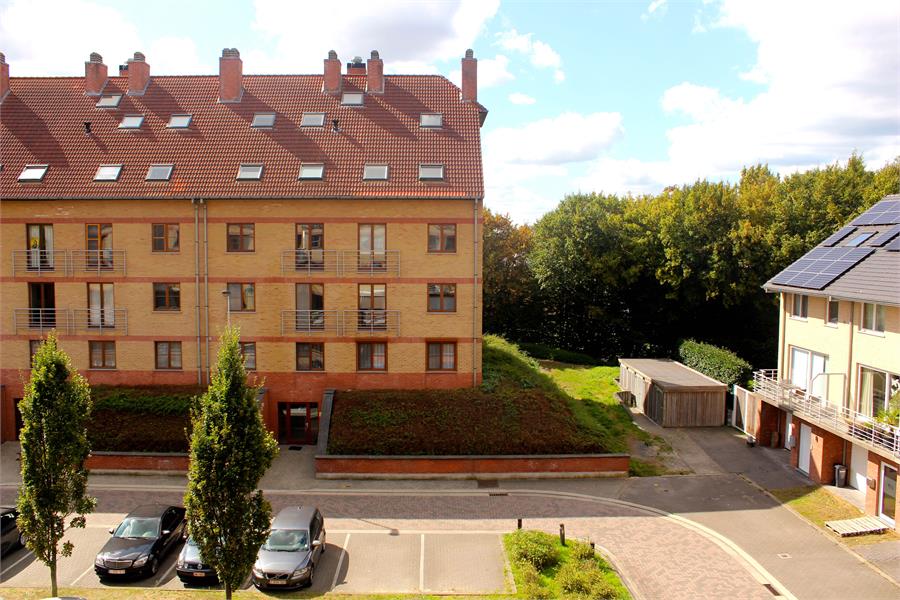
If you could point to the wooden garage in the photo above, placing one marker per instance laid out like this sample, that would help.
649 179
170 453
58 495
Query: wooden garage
672 394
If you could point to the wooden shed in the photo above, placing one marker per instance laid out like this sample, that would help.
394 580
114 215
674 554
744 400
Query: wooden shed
671 394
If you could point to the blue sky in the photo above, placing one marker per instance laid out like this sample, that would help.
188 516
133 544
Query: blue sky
583 96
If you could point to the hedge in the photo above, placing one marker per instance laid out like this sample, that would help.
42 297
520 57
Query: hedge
719 363
141 419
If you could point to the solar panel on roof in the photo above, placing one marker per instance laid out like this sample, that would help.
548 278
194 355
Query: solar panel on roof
894 246
838 235
820 266
885 236
886 212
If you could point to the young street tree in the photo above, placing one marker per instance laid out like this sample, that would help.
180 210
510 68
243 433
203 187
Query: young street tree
230 451
54 442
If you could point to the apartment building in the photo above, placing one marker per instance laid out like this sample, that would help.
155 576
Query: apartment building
839 360
334 217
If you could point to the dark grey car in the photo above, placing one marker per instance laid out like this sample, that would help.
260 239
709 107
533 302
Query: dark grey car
12 538
289 556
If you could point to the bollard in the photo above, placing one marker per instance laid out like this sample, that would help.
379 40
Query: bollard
518 523
562 534
592 546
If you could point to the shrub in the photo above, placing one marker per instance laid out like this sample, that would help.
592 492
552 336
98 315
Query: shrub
534 547
531 583
719 363
581 551
545 352
584 578
144 400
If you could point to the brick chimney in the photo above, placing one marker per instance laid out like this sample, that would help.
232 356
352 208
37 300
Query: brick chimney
375 79
138 75
94 75
332 83
469 77
231 70
4 77
356 66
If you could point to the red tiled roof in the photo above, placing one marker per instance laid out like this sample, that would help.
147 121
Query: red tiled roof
41 122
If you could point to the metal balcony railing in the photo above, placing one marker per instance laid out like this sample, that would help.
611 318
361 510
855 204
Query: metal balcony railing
98 262
840 419
379 262
310 262
310 322
100 321
41 262
41 320
371 322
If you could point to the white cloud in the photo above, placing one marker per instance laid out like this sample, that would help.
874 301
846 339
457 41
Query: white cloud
656 8
541 54
520 98
491 72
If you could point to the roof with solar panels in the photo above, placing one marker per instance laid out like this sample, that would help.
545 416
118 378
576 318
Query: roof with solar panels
859 262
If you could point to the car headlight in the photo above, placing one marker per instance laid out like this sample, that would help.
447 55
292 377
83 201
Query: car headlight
258 572
301 572
100 561
141 561
179 564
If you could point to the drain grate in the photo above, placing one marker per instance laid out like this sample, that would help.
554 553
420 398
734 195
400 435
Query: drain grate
772 589
784 555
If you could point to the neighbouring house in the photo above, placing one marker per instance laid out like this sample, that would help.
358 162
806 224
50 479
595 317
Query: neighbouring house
334 217
838 361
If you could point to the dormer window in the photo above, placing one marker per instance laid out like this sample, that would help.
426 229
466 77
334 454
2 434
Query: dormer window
352 99
431 172
34 173
263 120
108 173
312 120
312 171
375 172
431 120
179 121
248 172
159 172
109 101
131 122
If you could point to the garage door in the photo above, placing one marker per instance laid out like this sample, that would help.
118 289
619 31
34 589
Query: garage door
805 447
858 464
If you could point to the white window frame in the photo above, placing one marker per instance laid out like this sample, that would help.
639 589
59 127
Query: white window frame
424 168
248 176
803 313
317 118
257 122
370 176
105 173
809 378
33 173
423 118
109 101
889 377
352 98
311 171
877 314
131 122
168 176
172 125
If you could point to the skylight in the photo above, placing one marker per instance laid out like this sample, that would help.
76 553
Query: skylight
108 173
159 172
263 120
352 98
247 172
431 172
375 172
33 173
431 120
109 101
312 171
131 122
859 239
179 121
312 120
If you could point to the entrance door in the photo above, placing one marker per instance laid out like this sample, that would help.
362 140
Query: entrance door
859 462
805 446
298 423
887 497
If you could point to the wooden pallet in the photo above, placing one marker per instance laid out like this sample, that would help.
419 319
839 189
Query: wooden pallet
860 526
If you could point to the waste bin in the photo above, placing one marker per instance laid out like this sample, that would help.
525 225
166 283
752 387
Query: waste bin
840 475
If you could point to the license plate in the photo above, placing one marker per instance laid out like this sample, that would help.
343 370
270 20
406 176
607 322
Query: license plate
277 582
198 574
117 571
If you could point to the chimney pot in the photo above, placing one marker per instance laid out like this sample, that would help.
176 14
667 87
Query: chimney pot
375 54
95 75
332 81
231 74
96 58
138 72
332 54
139 57
356 66
4 77
375 74
123 70
470 77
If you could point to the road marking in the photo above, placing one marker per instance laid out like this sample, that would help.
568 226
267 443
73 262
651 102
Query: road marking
12 566
422 564
159 580
337 570
77 579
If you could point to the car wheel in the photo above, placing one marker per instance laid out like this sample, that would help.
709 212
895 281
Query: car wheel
312 575
154 566
21 540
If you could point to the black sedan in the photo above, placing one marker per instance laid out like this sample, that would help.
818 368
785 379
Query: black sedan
12 538
141 541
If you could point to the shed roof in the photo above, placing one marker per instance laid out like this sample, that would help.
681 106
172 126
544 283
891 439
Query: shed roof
672 375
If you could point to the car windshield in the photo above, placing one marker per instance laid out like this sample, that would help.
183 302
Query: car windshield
287 540
138 527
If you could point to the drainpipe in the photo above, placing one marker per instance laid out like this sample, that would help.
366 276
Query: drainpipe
475 236
197 286
781 325
847 399
206 281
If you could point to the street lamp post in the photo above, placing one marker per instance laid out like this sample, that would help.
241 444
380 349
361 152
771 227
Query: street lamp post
227 295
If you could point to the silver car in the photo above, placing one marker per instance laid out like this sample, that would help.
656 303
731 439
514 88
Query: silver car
289 556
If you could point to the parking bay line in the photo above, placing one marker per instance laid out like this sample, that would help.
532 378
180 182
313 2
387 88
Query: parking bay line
337 570
77 579
159 580
12 566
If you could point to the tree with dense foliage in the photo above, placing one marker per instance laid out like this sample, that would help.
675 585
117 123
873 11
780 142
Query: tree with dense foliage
231 449
54 445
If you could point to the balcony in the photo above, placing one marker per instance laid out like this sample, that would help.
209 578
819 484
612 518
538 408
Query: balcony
97 321
98 262
40 262
841 420
380 262
371 322
41 320
310 322
310 262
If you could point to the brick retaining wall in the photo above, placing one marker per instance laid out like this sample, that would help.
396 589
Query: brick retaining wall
130 461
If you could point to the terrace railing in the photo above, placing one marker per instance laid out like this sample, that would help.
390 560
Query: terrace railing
310 322
310 262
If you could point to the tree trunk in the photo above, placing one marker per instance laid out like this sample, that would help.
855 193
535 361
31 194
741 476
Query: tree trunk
227 591
53 589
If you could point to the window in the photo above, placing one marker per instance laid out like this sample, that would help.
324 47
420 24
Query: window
441 297
873 317
372 305
442 238
166 296
241 297
248 351
375 172
240 237
441 356
39 237
807 371
98 243
108 173
165 237
371 356
875 390
312 120
372 244
109 101
248 172
833 312
800 306
131 122
263 120
33 346
352 98
159 172
168 355
312 171
859 239
310 357
101 305
33 173
309 245
310 304
430 120
431 172
180 121
102 355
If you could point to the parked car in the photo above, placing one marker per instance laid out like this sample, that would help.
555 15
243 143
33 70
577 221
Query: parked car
190 567
141 541
288 557
10 536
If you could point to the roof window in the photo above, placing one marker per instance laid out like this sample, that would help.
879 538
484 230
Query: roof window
159 172
250 172
108 173
33 173
312 120
431 120
312 171
180 121
859 239
431 172
109 101
263 120
375 172
131 122
352 98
